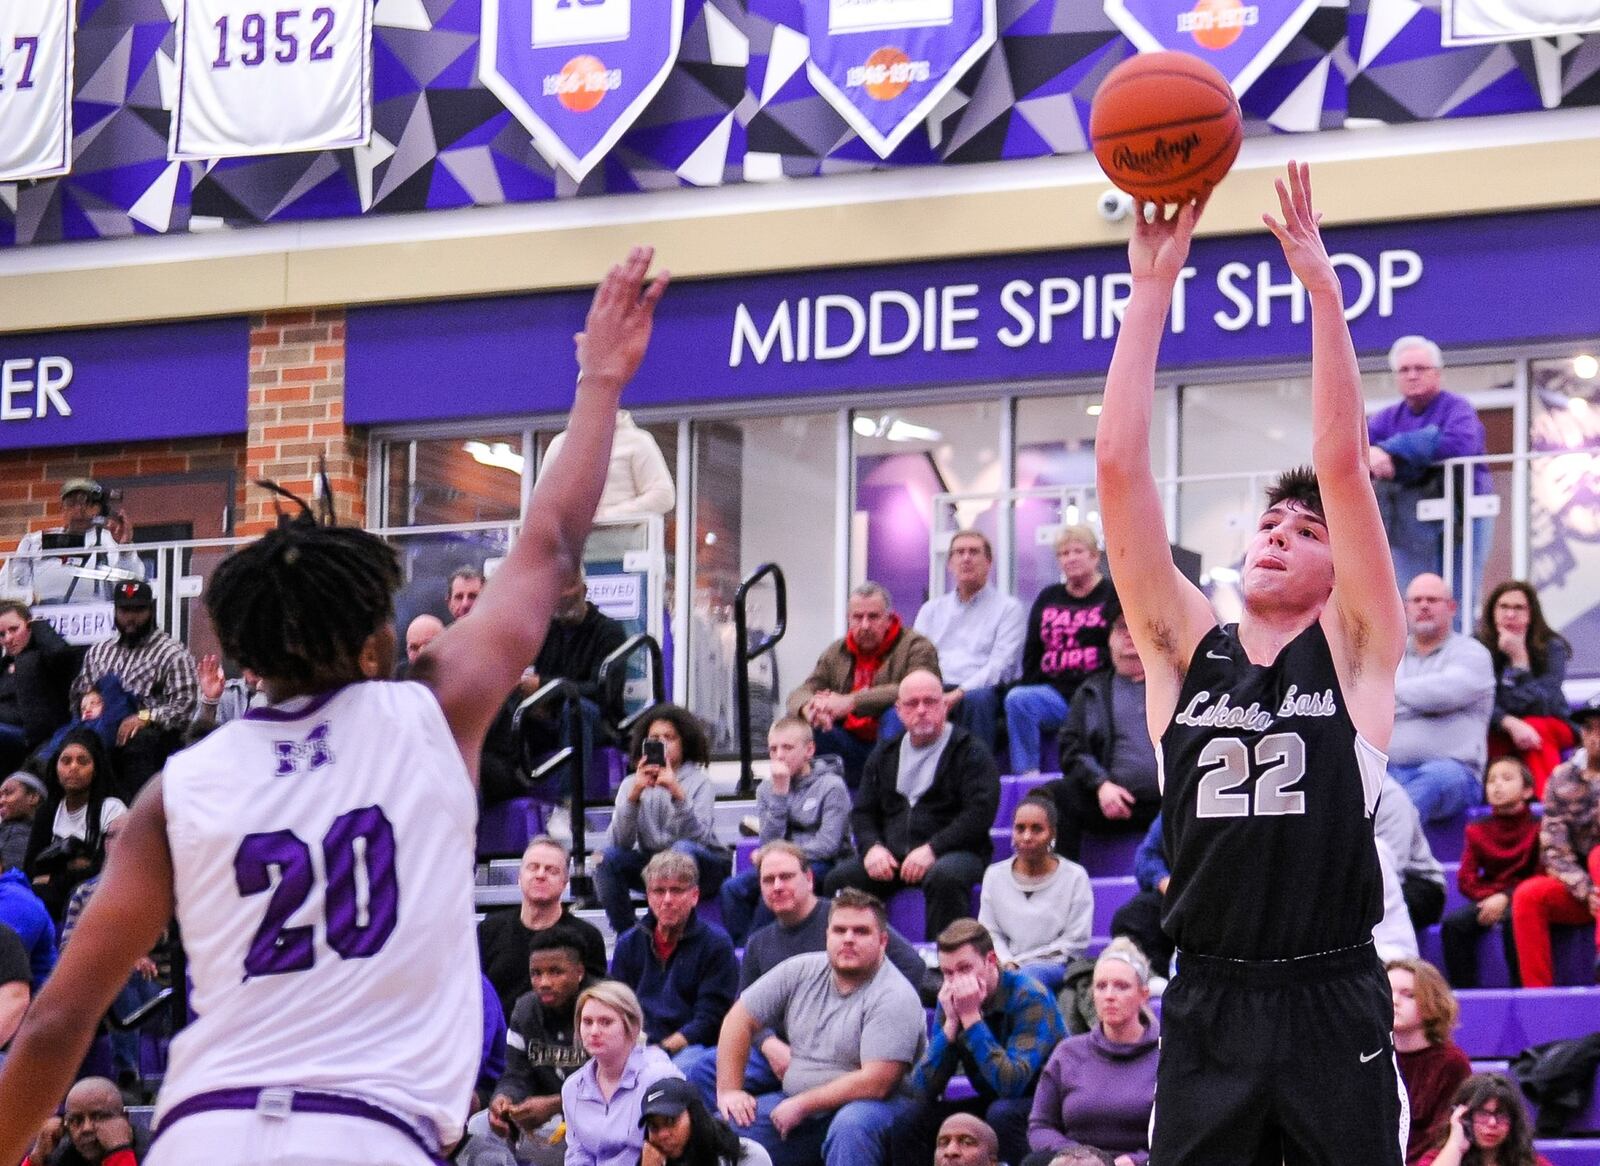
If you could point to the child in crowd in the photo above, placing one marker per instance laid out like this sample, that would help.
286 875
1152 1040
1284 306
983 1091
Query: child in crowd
1488 1127
1431 1064
20 797
1500 851
102 710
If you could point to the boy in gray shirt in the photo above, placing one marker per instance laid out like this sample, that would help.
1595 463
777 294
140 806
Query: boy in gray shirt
855 1027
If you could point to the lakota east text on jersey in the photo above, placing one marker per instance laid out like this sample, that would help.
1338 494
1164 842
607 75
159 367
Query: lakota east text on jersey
1267 806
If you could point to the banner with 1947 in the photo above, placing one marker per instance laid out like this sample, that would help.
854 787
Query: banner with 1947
35 88
885 64
578 73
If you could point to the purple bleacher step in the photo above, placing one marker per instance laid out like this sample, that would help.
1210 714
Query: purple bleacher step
1501 1022
504 829
1570 1151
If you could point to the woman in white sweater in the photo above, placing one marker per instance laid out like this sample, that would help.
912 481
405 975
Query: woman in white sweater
1038 906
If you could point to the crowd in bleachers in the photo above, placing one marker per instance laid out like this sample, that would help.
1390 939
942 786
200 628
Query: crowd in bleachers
980 783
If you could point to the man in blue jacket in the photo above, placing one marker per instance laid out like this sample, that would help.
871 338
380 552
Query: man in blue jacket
23 912
682 968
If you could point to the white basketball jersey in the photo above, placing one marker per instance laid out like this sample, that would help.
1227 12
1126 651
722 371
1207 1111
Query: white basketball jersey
35 88
323 869
257 78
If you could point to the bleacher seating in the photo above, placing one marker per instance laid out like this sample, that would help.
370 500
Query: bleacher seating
1497 1021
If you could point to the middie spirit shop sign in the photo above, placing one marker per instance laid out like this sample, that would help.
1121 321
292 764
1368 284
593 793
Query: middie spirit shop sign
1475 281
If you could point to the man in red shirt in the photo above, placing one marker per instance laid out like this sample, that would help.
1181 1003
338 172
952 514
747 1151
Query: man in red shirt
97 1129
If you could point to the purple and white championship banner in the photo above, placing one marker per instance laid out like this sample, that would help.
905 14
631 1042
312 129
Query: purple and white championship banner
1475 22
272 77
35 88
578 73
885 64
1240 38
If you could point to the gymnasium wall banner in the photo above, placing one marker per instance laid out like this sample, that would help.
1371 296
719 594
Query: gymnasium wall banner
124 384
578 73
272 77
36 41
1241 38
982 320
885 64
1475 22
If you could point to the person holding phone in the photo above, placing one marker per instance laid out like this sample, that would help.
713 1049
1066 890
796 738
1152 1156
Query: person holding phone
668 803
1488 1126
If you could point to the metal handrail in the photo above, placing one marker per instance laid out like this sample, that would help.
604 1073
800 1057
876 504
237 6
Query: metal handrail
564 695
748 652
613 675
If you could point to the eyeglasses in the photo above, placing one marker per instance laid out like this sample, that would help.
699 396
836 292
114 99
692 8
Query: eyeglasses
1492 1116
1410 368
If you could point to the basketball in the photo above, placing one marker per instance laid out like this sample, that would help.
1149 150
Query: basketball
1165 127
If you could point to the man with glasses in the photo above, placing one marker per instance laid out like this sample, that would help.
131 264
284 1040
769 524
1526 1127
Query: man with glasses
1443 695
923 811
1408 440
87 522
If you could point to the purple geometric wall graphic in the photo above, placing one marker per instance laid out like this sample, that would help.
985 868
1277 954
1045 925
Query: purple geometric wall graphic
736 107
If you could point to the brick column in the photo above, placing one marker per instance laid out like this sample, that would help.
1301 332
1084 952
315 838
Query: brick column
297 414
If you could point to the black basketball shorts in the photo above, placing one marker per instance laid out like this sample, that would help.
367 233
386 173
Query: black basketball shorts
1283 1063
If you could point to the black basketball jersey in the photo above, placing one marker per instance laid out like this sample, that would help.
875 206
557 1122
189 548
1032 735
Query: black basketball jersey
1267 807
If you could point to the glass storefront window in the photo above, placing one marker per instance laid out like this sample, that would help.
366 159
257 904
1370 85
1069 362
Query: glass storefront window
765 490
447 480
903 457
1564 499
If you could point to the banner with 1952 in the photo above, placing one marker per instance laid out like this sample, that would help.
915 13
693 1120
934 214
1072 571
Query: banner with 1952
272 77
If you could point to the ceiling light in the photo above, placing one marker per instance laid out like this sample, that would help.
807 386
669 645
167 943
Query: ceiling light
1585 366
864 426
1094 410
900 430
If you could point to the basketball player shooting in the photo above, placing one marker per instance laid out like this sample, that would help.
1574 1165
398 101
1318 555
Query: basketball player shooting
318 853
1276 1040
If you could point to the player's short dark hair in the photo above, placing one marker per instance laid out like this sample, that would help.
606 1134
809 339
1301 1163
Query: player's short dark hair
696 747
466 571
1298 487
1521 766
296 605
851 899
556 938
965 933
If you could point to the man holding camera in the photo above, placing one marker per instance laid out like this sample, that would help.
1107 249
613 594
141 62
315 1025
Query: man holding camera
91 535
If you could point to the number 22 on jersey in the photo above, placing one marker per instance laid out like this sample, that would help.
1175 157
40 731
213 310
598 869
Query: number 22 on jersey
361 895
1278 765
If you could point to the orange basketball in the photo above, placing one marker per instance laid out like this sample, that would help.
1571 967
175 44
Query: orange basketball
1165 127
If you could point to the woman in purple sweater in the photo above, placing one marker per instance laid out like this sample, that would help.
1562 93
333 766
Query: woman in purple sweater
1097 1089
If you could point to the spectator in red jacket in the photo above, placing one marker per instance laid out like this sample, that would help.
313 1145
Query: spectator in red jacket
1431 1064
1565 891
1501 850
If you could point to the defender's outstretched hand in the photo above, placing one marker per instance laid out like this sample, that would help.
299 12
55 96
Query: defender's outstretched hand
1160 244
617 332
1299 234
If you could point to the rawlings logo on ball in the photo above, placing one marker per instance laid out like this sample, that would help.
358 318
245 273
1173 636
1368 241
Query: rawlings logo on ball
1159 158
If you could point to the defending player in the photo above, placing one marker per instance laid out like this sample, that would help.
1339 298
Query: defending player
1276 1031
318 854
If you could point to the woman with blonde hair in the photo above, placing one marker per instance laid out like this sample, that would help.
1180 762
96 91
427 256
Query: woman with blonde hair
602 1101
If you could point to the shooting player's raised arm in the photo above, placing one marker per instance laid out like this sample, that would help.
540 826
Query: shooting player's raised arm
1167 615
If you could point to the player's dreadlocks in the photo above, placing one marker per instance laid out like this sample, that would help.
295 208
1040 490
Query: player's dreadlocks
296 605
1298 486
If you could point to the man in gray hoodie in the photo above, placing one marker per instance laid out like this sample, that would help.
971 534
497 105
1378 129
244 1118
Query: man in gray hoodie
805 801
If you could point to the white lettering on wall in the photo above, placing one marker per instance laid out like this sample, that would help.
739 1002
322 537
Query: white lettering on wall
31 387
891 321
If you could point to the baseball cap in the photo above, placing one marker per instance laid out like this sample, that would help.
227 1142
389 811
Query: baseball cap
132 593
80 486
1589 708
668 1097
